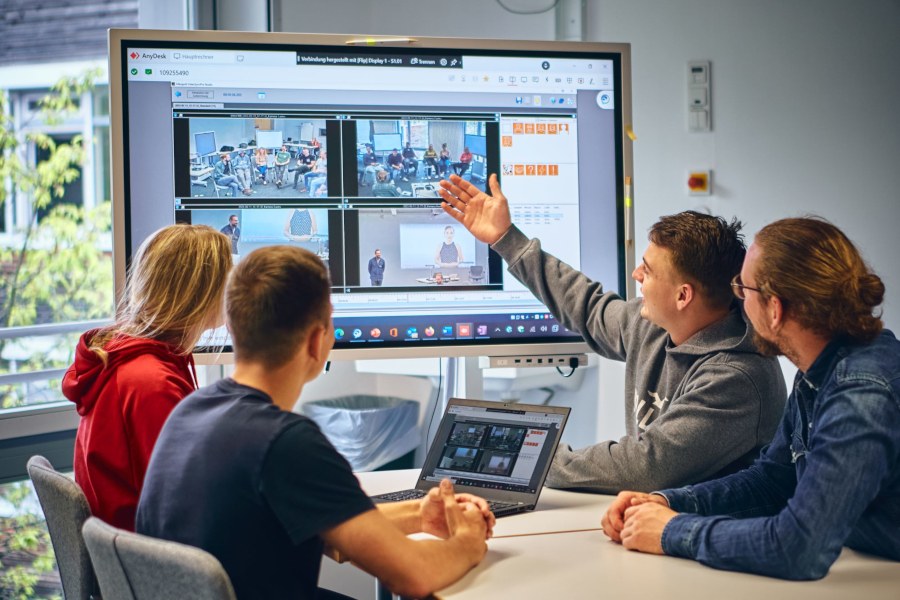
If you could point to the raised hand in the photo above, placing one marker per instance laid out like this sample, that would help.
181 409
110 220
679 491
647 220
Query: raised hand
486 217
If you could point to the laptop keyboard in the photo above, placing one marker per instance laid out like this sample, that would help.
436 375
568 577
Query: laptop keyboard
401 495
498 508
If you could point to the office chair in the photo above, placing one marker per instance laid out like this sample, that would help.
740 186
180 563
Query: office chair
218 187
66 509
476 273
131 566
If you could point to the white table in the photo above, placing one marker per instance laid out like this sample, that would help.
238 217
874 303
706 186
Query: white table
589 565
558 551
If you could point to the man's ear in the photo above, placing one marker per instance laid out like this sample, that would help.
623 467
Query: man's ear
775 312
685 296
314 345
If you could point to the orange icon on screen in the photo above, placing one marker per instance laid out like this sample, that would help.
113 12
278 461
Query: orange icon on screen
518 128
520 169
529 127
542 169
551 128
506 140
529 169
542 128
554 169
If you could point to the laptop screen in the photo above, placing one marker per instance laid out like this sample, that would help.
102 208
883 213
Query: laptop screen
493 445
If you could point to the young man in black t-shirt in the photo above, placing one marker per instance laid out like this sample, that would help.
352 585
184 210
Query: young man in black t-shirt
236 473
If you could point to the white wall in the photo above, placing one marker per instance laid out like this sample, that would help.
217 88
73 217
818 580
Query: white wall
804 111
459 18
805 94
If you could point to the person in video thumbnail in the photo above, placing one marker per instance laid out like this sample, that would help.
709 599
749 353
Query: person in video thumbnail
233 231
300 225
410 163
282 158
304 165
384 188
395 164
262 166
371 166
376 268
465 159
448 253
444 160
316 147
243 169
317 177
431 159
225 176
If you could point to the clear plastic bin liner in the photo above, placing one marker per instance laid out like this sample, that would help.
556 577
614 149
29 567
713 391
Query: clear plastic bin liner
369 431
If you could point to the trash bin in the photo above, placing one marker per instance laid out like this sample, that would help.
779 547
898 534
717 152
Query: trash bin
370 431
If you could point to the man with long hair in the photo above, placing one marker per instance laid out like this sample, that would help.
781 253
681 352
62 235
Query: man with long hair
831 476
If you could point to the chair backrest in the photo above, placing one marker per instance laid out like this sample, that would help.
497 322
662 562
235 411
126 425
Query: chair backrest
66 509
131 566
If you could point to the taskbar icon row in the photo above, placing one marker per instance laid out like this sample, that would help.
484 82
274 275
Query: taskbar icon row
454 330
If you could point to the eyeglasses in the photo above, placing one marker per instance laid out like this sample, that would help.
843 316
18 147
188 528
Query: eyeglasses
738 288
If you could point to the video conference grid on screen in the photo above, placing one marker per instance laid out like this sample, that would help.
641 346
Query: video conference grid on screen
504 448
357 184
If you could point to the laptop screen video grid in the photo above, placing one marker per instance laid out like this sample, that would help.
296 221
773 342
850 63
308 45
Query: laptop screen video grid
493 447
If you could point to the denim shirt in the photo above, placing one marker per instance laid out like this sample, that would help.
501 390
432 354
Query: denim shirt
831 476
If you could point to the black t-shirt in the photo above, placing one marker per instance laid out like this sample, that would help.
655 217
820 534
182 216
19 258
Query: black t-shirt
251 484
394 159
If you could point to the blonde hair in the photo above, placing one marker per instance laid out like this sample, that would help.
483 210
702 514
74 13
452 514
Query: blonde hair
174 289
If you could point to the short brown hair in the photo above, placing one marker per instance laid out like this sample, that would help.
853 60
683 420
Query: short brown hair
274 296
820 277
708 250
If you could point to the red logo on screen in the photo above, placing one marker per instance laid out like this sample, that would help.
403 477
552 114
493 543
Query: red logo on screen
134 55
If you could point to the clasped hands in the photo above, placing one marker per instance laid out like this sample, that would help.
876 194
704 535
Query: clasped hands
636 520
442 512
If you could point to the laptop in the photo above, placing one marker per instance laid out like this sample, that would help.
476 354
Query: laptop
497 450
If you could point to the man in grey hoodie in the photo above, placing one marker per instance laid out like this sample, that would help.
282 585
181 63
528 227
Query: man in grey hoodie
700 401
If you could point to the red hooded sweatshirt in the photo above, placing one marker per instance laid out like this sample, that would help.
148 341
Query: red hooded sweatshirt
123 407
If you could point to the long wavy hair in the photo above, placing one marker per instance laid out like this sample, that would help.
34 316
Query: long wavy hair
174 288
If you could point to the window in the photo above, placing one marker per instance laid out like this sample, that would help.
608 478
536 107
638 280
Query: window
55 239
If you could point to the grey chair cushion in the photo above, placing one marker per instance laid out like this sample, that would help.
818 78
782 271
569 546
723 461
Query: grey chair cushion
136 567
66 509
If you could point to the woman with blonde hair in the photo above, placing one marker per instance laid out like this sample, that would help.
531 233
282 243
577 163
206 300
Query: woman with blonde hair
127 378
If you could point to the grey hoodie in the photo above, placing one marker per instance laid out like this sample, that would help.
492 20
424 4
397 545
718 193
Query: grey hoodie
694 411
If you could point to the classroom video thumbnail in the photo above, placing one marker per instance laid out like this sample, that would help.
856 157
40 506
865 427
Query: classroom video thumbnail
407 158
418 247
250 229
265 158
